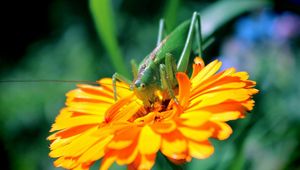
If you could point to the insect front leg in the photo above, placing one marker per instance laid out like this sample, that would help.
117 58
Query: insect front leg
185 54
171 69
121 78
167 74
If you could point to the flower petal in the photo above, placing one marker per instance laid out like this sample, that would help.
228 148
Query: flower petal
184 88
149 141
224 111
77 121
126 113
108 160
127 155
123 89
173 145
218 97
143 162
222 130
124 138
147 161
206 72
196 134
197 66
90 93
77 146
95 152
194 118
66 162
164 127
200 150
119 111
88 108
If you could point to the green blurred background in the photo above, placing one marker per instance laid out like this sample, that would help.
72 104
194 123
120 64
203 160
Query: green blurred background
57 39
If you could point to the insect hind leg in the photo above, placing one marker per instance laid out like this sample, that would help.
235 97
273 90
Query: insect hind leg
161 30
185 54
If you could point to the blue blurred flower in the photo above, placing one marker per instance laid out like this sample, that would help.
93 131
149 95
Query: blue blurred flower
268 25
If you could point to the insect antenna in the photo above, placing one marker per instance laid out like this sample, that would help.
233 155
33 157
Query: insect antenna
59 81
47 81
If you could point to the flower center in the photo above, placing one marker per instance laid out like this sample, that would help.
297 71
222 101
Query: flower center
153 113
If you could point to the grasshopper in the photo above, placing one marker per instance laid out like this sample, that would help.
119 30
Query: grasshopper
157 72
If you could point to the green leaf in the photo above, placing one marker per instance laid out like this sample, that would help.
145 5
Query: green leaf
101 11
170 15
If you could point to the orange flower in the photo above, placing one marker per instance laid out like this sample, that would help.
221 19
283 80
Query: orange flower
93 126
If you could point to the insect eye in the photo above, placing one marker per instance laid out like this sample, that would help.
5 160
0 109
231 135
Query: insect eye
131 86
143 85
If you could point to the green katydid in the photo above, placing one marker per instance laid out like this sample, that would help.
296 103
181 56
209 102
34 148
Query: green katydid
158 70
